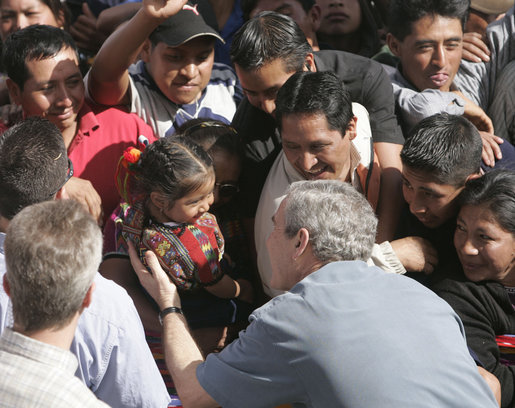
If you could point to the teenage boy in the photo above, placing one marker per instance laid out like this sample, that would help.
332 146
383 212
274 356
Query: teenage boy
441 153
45 80
176 78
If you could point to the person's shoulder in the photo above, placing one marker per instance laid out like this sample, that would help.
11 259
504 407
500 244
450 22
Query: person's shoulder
111 304
335 60
222 73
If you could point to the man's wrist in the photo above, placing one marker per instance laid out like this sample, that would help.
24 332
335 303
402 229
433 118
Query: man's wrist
168 310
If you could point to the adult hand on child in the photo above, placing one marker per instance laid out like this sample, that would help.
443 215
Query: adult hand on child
83 191
474 48
157 283
416 254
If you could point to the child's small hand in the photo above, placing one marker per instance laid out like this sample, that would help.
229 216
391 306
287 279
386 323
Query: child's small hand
246 291
157 283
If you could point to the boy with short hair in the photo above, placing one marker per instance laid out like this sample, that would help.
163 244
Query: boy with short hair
176 78
441 153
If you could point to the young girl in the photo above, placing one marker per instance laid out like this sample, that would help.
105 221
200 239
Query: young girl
170 189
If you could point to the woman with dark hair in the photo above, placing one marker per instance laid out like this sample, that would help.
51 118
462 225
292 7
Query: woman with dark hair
485 243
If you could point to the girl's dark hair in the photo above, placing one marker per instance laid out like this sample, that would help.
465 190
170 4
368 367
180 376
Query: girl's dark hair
212 136
174 167
495 191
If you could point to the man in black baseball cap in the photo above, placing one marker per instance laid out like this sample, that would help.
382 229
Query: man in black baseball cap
176 78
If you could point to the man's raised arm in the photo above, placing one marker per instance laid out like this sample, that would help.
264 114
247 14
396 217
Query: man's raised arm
108 79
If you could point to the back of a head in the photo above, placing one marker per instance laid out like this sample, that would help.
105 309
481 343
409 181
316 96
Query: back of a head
343 227
445 147
212 135
35 42
267 37
52 252
403 13
315 93
33 165
495 191
173 166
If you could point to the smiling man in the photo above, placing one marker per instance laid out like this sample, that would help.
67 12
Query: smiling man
45 80
176 79
324 137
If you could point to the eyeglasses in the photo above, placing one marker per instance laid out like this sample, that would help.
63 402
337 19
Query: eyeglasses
227 190
69 175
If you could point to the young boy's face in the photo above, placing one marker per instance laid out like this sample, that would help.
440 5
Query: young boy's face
182 72
431 202
54 89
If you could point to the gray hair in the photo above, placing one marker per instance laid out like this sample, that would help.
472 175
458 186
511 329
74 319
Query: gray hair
52 253
340 221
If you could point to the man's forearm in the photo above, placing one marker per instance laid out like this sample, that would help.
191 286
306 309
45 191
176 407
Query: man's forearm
182 358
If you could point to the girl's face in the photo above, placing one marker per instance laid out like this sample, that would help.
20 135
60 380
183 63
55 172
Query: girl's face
486 250
18 14
227 171
192 206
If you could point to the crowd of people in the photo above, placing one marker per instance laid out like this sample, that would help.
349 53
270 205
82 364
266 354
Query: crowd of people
257 203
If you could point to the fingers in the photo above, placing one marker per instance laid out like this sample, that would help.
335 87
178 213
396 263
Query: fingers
491 149
474 48
87 11
155 267
138 267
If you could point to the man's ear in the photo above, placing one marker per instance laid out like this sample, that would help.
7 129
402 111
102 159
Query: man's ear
473 176
14 91
89 296
5 283
146 50
352 130
302 242
158 200
393 44
309 63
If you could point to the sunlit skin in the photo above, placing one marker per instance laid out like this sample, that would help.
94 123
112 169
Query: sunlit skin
430 56
431 202
316 151
18 14
485 249
54 90
183 72
281 249
192 206
339 16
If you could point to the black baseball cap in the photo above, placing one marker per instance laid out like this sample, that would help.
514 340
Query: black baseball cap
182 27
